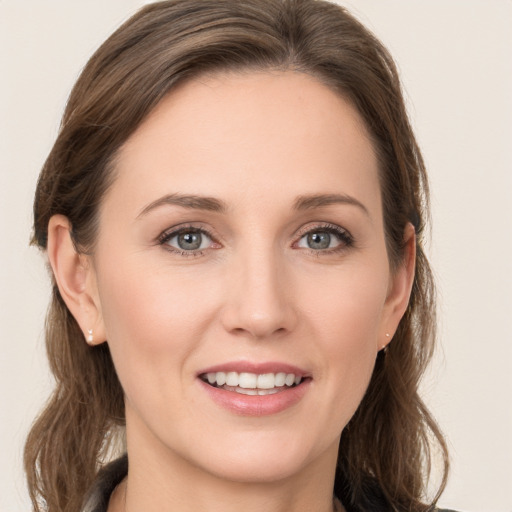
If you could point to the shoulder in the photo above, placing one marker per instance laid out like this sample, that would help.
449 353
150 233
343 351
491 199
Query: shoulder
109 477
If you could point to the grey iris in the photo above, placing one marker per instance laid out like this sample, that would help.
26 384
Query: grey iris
320 240
189 241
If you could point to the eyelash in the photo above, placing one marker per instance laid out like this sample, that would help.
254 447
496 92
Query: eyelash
345 238
164 238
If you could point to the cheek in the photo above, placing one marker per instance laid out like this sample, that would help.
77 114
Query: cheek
156 302
153 320
347 304
345 316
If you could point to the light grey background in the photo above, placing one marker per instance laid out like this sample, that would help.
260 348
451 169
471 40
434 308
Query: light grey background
456 64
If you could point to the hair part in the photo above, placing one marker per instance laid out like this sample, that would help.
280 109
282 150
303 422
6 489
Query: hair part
385 450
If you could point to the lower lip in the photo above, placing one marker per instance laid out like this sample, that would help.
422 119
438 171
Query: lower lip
256 405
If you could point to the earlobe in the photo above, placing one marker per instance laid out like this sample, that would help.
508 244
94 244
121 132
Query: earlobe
400 288
75 279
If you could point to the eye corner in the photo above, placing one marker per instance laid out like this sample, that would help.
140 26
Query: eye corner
324 243
188 240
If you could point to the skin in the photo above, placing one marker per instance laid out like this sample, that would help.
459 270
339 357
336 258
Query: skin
256 291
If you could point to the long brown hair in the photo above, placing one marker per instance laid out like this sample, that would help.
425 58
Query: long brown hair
386 450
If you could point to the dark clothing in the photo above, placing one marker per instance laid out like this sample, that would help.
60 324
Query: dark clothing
108 479
110 476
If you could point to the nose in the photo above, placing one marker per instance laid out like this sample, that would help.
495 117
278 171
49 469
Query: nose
259 297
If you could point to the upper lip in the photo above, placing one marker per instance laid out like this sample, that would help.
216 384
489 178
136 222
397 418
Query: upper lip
257 368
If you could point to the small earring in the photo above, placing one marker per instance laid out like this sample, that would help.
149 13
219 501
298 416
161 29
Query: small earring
90 338
384 348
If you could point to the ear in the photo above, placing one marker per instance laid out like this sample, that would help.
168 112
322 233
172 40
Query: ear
399 290
76 280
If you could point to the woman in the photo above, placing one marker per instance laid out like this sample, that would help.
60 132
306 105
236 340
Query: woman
233 213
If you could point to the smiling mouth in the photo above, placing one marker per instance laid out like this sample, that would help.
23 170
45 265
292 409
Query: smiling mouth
252 383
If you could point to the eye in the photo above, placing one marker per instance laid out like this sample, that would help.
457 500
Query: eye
325 238
188 240
318 240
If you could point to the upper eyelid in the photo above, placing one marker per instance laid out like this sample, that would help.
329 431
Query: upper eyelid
164 238
343 235
328 226
176 230
211 233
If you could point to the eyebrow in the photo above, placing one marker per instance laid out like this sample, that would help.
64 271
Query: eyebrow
195 202
319 200
192 202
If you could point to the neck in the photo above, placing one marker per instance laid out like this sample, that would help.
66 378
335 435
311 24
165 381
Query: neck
160 480
232 498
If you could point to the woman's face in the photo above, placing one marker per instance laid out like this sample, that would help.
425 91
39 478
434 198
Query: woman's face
243 241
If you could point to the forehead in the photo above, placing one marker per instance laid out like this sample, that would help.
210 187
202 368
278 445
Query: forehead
267 135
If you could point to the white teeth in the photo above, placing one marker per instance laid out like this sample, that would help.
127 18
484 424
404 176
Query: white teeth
245 382
266 381
243 391
252 392
267 391
232 379
290 379
280 379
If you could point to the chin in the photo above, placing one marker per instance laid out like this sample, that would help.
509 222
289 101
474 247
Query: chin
258 470
264 460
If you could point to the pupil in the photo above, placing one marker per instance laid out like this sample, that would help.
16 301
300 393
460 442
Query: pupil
189 241
319 240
